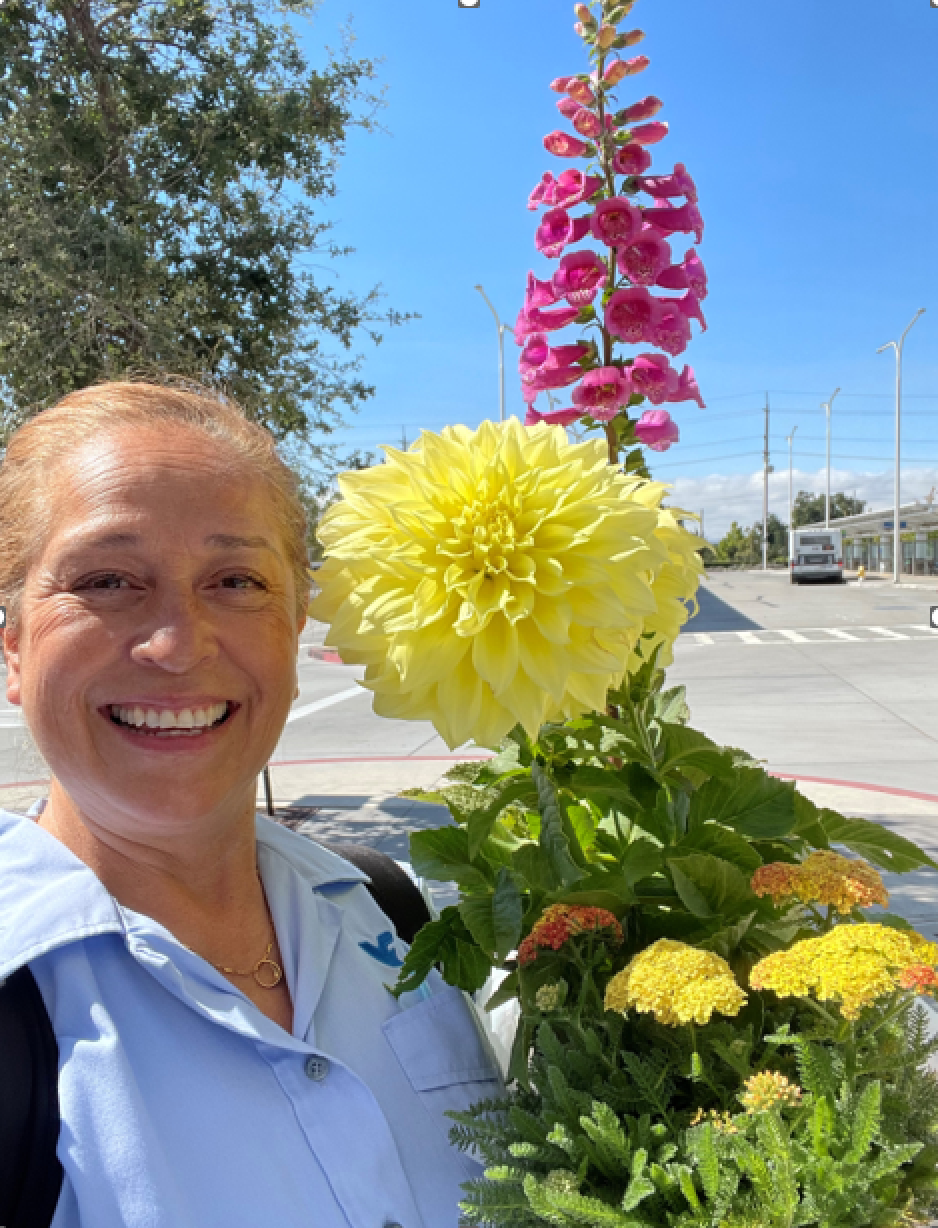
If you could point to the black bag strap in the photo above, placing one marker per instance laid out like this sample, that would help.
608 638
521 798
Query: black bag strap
394 891
30 1172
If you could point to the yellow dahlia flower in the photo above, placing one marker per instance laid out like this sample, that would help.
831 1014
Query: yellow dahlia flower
677 984
500 576
852 964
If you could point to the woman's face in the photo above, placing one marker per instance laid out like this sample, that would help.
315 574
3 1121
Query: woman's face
155 659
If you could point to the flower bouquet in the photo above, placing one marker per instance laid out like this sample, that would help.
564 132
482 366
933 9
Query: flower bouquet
714 1030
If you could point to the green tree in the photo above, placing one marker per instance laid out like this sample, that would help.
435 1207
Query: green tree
744 546
160 164
809 509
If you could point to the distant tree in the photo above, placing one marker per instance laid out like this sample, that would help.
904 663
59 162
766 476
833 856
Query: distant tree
744 546
809 509
160 166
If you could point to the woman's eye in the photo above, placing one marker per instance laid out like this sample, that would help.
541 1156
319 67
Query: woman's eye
243 582
109 581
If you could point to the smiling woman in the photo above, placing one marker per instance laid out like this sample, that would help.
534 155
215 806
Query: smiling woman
209 976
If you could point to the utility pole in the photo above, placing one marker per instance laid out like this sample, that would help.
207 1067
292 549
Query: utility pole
403 438
791 500
765 492
502 329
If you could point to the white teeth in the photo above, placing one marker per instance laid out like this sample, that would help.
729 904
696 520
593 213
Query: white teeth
153 718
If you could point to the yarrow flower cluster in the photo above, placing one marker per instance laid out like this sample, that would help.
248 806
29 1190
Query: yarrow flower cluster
824 877
769 1090
560 923
852 965
677 984
632 218
500 576
723 1122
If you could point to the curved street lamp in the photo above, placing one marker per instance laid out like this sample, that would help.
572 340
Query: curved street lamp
502 329
896 535
828 406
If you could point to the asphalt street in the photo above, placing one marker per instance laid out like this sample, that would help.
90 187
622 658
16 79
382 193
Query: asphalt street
829 681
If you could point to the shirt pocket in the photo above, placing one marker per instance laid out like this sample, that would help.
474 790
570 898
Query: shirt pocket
444 1054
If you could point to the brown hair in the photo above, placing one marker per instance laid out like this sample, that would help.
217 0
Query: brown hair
45 440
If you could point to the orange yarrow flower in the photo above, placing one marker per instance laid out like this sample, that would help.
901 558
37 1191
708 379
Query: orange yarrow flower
561 922
824 878
920 977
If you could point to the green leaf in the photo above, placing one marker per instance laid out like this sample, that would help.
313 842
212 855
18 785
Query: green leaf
879 845
480 822
553 838
448 942
721 842
494 919
671 706
602 781
640 860
534 866
710 886
507 990
751 802
808 826
442 853
683 747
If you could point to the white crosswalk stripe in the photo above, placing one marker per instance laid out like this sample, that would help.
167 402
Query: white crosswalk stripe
785 636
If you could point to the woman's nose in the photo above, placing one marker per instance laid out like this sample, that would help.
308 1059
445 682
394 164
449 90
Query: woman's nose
180 637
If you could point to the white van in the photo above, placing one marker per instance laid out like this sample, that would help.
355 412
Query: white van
816 554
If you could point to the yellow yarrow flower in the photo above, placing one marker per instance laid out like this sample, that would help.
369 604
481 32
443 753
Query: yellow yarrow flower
677 984
852 964
768 1090
825 878
500 576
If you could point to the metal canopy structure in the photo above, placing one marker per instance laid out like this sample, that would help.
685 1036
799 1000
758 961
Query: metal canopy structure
868 538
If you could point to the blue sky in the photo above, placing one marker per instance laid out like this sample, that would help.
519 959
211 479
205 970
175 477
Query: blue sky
810 128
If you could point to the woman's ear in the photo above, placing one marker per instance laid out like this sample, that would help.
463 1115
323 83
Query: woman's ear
12 657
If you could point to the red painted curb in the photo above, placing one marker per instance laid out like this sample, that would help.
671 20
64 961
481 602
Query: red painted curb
325 654
854 784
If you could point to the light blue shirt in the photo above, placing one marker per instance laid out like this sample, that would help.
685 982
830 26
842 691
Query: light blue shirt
183 1106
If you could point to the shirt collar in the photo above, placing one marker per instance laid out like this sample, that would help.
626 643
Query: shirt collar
49 897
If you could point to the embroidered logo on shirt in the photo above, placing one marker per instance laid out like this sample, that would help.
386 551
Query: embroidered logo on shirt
384 951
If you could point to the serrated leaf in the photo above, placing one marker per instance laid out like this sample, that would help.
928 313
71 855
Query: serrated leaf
535 868
602 781
879 845
442 853
683 747
448 942
494 919
553 838
751 802
710 886
720 842
480 822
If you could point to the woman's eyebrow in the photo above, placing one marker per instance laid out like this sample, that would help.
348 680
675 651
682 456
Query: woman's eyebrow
223 541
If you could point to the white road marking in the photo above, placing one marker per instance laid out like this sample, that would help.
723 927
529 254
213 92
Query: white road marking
795 637
844 635
888 633
308 709
703 638
748 637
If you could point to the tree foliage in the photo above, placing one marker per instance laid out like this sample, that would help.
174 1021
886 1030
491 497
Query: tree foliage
160 161
810 509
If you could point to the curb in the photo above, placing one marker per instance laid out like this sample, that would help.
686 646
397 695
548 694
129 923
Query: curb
316 653
854 784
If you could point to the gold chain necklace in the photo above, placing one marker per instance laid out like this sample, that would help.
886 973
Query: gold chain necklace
268 979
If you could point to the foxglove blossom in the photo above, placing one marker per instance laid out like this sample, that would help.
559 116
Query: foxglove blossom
557 230
540 293
679 183
556 417
572 187
687 389
602 392
568 107
631 159
654 377
580 91
657 430
615 221
563 145
670 327
645 258
650 134
689 274
647 108
587 124
543 194
629 314
670 219
580 278
538 356
534 320
690 305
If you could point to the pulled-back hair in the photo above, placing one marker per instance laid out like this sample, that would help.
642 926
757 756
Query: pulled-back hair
42 443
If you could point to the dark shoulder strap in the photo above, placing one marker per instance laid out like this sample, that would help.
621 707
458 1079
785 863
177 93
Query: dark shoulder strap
30 1172
394 891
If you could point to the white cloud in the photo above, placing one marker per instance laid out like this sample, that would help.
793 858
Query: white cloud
724 498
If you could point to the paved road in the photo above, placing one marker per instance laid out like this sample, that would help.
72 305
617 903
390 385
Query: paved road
835 681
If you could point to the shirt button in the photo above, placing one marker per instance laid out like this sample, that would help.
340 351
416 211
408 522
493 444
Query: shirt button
316 1068
392 1224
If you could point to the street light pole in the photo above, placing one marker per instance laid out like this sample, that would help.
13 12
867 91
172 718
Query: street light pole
765 492
829 405
896 533
791 499
501 355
